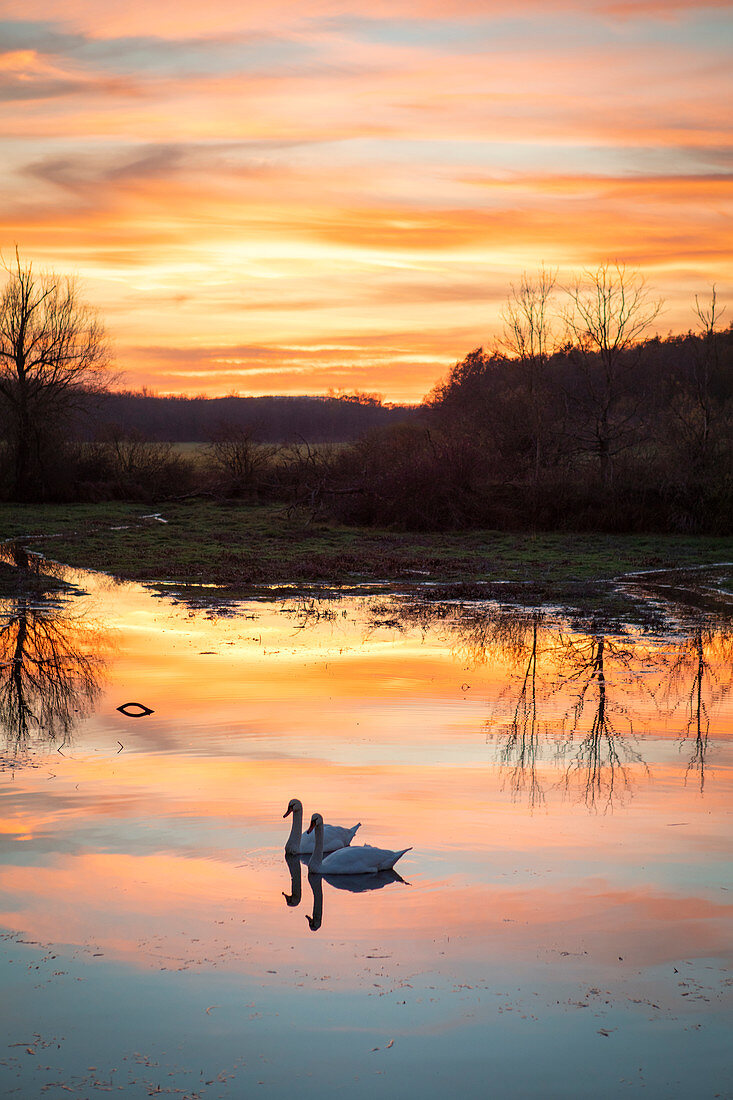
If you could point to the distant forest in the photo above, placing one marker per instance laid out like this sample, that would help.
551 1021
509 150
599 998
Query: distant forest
332 419
574 420
563 441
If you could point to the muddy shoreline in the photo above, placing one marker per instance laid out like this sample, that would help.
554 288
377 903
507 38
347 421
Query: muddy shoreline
212 555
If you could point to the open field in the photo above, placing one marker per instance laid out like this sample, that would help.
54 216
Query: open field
200 453
240 545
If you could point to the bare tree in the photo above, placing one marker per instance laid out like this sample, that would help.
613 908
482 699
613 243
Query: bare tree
53 351
137 467
699 423
529 337
610 309
709 315
239 458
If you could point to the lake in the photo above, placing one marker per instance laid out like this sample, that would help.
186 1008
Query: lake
562 927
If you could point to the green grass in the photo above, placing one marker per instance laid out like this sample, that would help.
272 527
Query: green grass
242 544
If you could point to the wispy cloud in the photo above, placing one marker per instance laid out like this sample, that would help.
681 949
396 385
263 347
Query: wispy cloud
351 193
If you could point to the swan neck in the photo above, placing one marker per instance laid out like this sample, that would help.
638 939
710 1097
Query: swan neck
317 857
292 845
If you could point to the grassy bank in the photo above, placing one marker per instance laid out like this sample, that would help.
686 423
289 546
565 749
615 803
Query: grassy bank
242 545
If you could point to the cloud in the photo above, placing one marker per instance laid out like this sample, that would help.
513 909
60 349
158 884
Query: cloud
221 17
282 177
190 57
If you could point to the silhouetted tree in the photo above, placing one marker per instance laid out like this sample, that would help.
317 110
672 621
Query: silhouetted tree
529 337
53 351
610 309
699 410
133 467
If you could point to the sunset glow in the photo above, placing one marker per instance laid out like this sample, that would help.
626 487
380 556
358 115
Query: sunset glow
287 198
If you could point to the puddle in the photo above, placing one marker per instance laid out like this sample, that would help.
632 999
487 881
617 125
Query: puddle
565 914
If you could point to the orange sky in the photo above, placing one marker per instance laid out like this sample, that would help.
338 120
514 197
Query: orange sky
289 197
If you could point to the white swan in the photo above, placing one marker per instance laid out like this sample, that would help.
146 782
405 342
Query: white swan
299 843
349 861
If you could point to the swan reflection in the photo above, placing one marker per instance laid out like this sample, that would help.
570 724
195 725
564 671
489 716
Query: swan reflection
358 884
316 884
353 884
294 866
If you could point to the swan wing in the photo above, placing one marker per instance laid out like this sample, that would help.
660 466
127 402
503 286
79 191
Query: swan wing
334 837
338 836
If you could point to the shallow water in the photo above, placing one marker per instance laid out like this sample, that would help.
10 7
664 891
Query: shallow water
561 928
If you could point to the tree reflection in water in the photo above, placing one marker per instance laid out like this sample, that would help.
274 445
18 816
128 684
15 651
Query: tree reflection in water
598 754
50 666
571 693
585 737
521 749
701 674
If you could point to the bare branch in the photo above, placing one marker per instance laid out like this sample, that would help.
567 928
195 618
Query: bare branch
53 351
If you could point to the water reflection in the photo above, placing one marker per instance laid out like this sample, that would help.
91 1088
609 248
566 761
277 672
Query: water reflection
354 884
160 868
565 718
519 753
51 663
597 748
316 884
293 898
359 884
700 673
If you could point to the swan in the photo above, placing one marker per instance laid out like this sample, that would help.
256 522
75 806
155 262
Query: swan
349 861
299 843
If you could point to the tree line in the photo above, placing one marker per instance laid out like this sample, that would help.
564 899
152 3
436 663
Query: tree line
334 418
576 418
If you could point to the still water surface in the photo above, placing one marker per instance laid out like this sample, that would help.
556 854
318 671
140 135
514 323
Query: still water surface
563 926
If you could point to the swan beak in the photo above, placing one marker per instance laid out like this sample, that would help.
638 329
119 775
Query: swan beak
310 828
288 811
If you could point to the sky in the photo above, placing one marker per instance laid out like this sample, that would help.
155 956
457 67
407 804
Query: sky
291 197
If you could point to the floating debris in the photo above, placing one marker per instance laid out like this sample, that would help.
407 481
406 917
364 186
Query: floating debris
135 710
